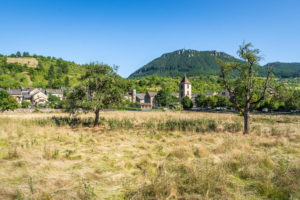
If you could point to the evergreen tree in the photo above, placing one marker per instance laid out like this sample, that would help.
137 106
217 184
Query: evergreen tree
18 54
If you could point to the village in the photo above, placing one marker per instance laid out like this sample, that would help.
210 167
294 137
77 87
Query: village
38 97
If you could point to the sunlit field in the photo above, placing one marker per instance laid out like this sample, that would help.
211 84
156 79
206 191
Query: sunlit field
149 155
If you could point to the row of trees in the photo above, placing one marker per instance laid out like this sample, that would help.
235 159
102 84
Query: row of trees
18 54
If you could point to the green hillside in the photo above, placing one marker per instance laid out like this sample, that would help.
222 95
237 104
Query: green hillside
49 73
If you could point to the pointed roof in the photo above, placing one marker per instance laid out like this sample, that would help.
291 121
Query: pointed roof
185 80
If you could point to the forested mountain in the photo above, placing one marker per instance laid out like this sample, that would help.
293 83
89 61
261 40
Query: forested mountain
199 63
180 62
285 70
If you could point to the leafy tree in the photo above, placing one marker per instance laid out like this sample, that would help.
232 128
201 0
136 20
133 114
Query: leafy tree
186 103
51 72
222 101
200 100
40 67
54 101
100 88
7 102
165 98
211 101
292 100
7 81
67 81
25 104
246 90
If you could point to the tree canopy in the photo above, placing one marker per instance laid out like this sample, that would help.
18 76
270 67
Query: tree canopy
100 88
245 88
7 102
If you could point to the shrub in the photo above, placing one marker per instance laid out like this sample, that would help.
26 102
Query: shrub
25 104
186 103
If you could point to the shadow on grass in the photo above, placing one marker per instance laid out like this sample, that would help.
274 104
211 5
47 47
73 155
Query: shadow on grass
65 121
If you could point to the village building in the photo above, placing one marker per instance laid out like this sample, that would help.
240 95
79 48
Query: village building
223 93
149 101
140 97
16 94
36 96
135 97
150 97
185 88
39 98
55 92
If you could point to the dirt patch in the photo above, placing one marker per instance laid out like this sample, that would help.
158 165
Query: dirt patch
30 62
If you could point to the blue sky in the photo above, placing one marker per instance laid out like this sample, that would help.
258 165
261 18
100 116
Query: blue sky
130 33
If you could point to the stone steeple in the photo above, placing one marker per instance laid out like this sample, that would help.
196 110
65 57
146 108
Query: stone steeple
185 88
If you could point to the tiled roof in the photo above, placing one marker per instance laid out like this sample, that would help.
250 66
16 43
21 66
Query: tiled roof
152 94
54 91
14 92
185 80
140 96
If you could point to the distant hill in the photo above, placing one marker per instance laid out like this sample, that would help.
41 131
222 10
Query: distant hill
180 62
38 71
198 63
285 70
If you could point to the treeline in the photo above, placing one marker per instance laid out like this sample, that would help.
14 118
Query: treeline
200 84
286 100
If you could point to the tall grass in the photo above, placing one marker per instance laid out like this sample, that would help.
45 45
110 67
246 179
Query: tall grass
153 155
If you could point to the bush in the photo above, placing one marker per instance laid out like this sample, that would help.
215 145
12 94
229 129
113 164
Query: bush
187 103
200 100
25 104
7 102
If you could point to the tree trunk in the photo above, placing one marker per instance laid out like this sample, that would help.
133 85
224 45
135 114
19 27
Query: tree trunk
246 122
97 112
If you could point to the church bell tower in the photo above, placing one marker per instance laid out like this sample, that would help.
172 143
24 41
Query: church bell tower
185 88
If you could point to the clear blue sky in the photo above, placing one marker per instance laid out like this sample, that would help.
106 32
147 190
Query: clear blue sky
130 33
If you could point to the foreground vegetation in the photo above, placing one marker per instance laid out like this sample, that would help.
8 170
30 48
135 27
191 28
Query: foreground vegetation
149 155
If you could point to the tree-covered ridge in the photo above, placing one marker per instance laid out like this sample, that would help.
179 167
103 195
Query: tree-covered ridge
181 62
199 63
50 72
286 70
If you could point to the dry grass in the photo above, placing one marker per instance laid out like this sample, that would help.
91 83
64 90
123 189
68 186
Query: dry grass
30 62
135 155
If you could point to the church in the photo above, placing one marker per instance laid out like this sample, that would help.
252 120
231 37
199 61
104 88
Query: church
148 100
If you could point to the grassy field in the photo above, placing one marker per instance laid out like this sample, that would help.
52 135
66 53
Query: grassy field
149 155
